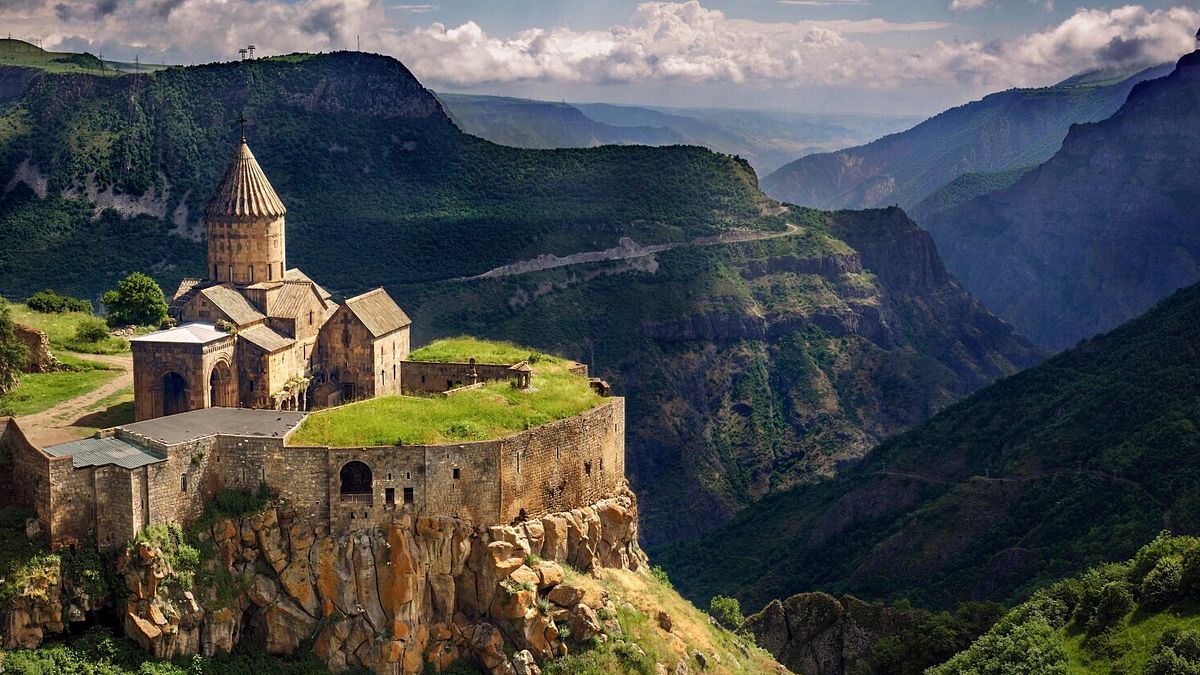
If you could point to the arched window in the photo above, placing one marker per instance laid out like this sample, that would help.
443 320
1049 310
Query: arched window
183 482
355 479
250 271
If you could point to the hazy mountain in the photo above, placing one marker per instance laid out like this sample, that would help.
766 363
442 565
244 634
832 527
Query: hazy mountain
1098 233
766 139
1001 132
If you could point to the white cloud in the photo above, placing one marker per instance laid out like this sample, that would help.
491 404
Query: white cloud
965 5
660 42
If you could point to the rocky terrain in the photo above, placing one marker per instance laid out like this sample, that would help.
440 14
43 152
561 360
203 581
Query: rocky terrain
429 590
1003 131
1098 233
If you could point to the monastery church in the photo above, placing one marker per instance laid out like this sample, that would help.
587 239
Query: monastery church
256 334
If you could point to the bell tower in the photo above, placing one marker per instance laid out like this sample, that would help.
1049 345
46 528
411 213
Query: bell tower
244 224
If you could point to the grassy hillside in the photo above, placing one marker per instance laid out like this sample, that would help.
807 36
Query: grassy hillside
113 174
1073 462
1099 232
1141 616
965 188
1001 132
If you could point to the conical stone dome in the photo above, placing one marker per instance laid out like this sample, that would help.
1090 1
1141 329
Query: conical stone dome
245 192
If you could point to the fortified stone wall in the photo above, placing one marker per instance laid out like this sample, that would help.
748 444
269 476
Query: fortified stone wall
558 466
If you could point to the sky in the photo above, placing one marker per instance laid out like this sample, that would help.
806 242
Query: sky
868 56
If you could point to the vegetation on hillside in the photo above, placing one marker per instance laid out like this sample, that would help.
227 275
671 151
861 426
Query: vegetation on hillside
1136 617
1062 466
13 354
492 410
63 330
371 157
136 301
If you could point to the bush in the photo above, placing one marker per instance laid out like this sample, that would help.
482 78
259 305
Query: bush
137 300
726 610
660 575
13 354
49 302
1028 648
91 330
1177 653
1161 585
1114 603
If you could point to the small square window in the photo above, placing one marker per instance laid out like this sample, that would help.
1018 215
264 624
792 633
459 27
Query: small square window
457 474
408 495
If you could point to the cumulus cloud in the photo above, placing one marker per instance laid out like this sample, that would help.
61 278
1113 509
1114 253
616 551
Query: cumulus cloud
661 41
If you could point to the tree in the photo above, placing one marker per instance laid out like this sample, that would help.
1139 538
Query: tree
13 354
727 610
137 300
91 330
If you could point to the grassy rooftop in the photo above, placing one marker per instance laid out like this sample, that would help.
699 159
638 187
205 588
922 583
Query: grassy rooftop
492 411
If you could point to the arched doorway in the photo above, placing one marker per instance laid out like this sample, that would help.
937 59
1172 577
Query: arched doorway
220 387
174 392
355 482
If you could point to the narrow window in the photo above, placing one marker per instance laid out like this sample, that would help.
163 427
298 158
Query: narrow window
457 474
408 475
393 372
231 274
310 317
215 271
587 468
270 272
183 483
518 462
250 271
389 475
408 495
389 496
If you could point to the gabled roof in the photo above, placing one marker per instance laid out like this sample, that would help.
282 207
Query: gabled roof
189 333
378 312
265 338
244 191
294 299
186 287
295 274
233 304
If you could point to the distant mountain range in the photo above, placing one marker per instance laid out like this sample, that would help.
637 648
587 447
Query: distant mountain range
1098 233
766 139
1079 460
1002 132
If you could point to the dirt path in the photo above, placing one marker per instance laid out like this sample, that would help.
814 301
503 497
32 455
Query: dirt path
625 249
60 424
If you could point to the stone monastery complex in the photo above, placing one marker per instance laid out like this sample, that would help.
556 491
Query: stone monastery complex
256 346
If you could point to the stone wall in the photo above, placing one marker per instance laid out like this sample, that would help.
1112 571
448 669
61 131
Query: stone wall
424 378
194 363
38 344
557 466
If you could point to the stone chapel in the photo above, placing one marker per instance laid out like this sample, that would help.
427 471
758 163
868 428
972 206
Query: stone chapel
256 334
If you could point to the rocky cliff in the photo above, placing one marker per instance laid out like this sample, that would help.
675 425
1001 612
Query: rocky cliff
818 634
416 594
1099 232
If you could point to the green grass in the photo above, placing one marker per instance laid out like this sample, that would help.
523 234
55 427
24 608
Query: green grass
1135 639
61 327
39 391
461 349
21 53
492 411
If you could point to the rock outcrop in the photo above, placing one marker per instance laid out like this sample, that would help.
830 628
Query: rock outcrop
419 590
818 634
47 602
40 359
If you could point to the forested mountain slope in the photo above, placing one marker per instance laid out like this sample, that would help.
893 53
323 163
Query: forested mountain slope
758 347
1078 460
1101 231
1007 130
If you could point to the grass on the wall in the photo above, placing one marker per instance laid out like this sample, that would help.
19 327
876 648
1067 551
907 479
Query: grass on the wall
491 411
40 391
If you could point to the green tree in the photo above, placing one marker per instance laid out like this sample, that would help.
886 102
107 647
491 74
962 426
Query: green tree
726 610
13 354
91 330
137 300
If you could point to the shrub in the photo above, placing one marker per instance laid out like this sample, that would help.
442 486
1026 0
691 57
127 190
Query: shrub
91 330
1028 648
13 354
1114 603
48 301
1177 653
137 300
726 610
660 575
1161 585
